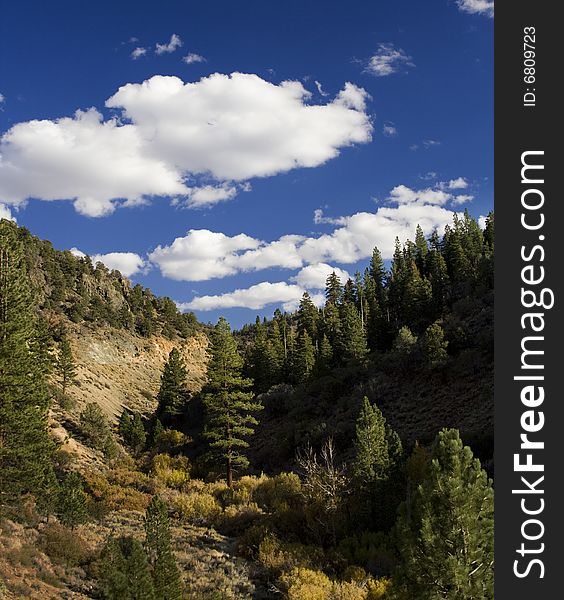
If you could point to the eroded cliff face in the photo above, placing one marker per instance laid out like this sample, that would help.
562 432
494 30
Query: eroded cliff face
117 368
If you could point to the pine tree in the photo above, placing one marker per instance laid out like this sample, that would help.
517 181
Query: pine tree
434 346
333 289
172 394
125 571
352 340
71 506
137 435
307 317
445 531
324 358
65 367
421 250
262 362
125 424
26 450
376 470
95 428
158 545
304 358
228 404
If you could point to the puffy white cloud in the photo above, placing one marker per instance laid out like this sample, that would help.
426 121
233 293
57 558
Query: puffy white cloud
313 277
6 213
388 60
82 158
320 219
203 254
255 297
167 48
227 128
241 126
138 52
477 7
192 58
128 263
457 184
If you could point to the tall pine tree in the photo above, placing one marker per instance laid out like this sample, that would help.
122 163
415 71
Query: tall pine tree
229 405
26 450
172 394
445 531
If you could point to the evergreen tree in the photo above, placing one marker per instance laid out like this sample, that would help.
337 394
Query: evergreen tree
65 367
172 394
333 289
376 475
421 249
137 436
228 403
263 366
71 506
352 340
125 571
445 531
125 424
26 450
95 428
324 358
304 358
307 317
158 545
433 345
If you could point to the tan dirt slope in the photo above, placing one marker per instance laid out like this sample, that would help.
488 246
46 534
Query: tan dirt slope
118 369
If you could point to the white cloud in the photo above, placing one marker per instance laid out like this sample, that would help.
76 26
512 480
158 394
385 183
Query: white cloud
2 98
84 159
138 52
389 130
320 89
76 252
430 143
227 128
477 7
388 60
6 213
128 263
202 254
462 199
320 219
192 58
255 297
457 184
482 221
313 277
167 48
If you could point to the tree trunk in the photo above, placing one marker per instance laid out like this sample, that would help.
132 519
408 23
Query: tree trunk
229 471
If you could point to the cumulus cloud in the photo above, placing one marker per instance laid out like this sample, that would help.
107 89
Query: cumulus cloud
128 263
388 60
320 219
192 58
255 297
477 7
457 184
167 48
223 128
6 213
202 254
138 52
314 277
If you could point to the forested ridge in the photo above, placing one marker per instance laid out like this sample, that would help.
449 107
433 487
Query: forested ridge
327 456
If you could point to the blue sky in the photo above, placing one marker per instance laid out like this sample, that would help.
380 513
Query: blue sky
385 120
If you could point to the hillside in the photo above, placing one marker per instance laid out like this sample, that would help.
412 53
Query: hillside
328 417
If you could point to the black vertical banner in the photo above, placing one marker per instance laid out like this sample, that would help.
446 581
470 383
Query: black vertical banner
529 403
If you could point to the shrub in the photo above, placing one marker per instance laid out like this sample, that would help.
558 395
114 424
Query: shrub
172 472
96 430
168 440
63 546
197 508
277 557
108 496
283 490
306 584
377 588
237 519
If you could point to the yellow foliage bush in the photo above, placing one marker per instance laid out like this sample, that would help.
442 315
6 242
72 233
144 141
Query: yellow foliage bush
377 588
306 584
169 439
197 508
115 497
283 491
173 472
277 557
238 518
348 590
